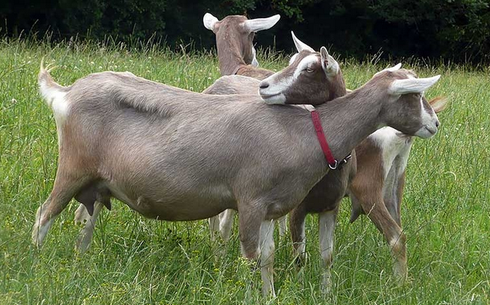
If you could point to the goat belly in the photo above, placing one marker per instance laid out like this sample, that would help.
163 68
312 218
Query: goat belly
172 208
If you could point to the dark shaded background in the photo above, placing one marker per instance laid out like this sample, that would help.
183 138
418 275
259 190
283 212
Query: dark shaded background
454 30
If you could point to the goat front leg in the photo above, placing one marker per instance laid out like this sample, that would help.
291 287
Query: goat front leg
255 236
267 249
379 215
326 222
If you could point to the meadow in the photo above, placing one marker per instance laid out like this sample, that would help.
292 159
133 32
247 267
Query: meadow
134 260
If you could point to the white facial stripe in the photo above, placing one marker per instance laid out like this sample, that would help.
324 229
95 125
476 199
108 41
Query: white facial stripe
428 120
304 64
274 93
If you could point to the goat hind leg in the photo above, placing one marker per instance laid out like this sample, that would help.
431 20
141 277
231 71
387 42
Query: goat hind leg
64 190
382 219
85 236
226 224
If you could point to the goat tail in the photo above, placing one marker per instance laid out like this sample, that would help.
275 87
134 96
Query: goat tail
52 92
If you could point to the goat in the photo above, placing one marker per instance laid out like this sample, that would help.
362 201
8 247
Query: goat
359 188
177 155
237 56
231 39
234 38
388 151
377 188
234 41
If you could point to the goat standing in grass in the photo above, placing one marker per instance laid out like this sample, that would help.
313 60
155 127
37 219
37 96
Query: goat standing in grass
176 155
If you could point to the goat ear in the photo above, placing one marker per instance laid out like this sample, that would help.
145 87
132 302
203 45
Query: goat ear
411 85
438 104
300 46
329 64
209 21
259 24
394 68
391 69
254 63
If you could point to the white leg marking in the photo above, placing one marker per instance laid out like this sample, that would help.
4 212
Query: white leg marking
85 236
400 268
226 224
327 222
214 227
39 231
267 257
282 226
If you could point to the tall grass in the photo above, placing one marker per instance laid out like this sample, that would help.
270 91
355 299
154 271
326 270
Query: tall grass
134 260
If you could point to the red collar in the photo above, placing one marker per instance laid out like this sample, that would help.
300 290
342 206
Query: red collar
332 162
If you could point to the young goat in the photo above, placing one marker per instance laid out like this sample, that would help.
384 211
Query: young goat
234 41
176 155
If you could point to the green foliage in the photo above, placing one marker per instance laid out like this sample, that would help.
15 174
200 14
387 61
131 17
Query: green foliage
456 30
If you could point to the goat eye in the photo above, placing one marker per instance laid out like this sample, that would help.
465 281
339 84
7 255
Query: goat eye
309 70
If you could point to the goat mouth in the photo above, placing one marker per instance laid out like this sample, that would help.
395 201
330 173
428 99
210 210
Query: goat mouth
265 96
431 131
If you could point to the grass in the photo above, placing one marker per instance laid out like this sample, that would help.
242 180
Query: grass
134 260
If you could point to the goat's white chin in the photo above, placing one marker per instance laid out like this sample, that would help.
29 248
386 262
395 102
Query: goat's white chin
278 98
426 132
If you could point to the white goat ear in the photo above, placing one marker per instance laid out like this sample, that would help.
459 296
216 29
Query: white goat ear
254 63
391 69
394 68
412 85
329 64
300 46
209 21
259 24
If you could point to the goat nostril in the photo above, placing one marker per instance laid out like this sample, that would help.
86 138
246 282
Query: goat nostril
437 124
264 85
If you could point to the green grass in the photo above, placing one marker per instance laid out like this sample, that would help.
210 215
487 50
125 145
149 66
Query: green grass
134 260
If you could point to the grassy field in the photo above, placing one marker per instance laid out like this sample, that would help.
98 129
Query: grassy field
138 261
